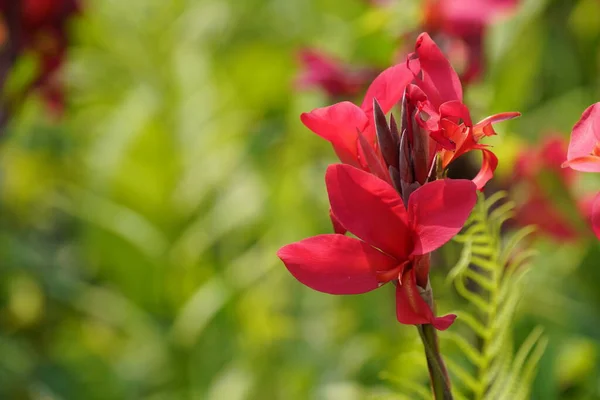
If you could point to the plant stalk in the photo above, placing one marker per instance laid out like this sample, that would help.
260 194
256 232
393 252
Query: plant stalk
438 375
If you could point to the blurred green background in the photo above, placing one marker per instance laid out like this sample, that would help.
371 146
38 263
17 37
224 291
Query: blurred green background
138 231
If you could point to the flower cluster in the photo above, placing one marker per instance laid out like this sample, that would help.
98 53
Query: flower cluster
38 27
390 191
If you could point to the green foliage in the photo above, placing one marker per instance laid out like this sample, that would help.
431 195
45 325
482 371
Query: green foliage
138 231
491 276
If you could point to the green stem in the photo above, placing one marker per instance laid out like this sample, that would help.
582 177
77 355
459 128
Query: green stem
440 383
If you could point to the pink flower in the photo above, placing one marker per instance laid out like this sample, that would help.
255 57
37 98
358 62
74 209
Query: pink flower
584 153
584 148
393 242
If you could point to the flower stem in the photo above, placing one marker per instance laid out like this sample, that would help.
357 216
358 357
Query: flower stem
440 383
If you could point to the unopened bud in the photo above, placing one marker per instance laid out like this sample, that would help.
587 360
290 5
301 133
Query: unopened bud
388 141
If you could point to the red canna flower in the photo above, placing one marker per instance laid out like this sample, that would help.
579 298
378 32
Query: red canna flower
432 107
332 76
393 242
584 153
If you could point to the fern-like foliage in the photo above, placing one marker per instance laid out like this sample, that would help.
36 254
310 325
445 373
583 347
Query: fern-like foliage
489 275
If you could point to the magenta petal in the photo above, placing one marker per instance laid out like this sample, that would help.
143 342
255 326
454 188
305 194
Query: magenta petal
338 124
584 138
387 88
335 264
438 210
369 208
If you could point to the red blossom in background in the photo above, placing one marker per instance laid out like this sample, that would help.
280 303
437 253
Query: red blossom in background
320 70
38 27
584 153
461 25
393 240
534 166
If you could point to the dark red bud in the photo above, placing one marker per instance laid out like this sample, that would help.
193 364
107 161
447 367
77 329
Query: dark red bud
388 142
370 157
396 181
420 151
406 168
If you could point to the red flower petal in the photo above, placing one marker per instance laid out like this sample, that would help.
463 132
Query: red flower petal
584 138
387 88
596 215
457 111
335 264
411 309
489 163
438 210
369 208
438 69
338 124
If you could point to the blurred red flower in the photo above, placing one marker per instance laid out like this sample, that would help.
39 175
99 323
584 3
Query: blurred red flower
536 167
393 242
39 27
461 25
337 80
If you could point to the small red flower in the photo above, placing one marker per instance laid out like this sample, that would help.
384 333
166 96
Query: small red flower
393 240
584 153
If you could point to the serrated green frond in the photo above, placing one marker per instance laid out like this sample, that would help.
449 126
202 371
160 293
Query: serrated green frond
489 275
416 390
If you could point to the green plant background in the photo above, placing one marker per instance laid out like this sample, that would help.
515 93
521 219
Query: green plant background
138 232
